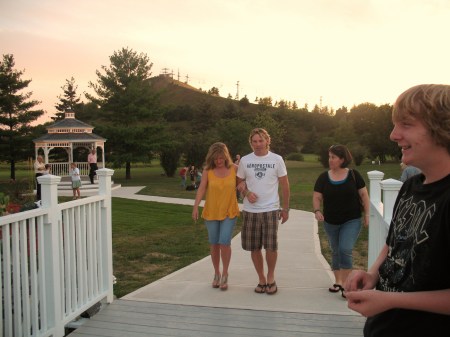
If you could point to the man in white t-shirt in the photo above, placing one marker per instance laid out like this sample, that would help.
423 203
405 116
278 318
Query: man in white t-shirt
262 172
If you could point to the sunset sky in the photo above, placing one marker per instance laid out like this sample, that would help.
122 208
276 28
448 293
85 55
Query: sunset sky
345 51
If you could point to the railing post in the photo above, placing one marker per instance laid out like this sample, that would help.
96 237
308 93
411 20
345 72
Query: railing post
375 178
53 287
390 191
104 188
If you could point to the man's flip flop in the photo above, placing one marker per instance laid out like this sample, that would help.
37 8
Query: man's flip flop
270 286
260 288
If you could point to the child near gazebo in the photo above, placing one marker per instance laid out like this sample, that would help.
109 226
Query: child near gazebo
76 180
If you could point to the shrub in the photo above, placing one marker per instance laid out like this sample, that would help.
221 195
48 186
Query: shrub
295 156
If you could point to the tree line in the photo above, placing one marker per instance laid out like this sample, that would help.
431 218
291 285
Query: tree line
141 121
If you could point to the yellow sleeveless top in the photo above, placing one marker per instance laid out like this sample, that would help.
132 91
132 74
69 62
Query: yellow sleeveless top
221 199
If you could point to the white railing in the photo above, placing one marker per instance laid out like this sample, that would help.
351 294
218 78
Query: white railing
63 169
382 198
56 261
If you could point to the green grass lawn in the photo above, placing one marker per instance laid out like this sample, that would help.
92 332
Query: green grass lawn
151 240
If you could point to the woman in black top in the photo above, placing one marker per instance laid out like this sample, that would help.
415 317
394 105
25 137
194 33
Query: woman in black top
343 193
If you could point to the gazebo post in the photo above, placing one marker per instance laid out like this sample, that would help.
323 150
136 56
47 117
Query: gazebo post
103 157
46 151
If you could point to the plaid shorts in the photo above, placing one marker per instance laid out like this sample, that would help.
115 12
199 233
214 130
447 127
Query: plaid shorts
260 230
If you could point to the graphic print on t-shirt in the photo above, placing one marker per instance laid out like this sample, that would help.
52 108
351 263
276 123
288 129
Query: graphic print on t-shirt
411 226
260 169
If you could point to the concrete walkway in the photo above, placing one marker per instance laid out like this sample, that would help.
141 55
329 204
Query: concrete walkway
302 274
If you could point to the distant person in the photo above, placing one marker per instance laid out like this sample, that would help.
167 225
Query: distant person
193 175
263 171
238 159
47 170
76 180
221 208
343 193
406 292
92 160
183 173
408 171
39 168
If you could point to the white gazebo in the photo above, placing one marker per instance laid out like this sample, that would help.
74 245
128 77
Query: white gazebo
70 134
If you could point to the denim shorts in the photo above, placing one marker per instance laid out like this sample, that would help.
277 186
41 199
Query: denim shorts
342 239
220 231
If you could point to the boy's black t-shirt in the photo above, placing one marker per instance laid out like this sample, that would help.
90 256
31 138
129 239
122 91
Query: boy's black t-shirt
418 258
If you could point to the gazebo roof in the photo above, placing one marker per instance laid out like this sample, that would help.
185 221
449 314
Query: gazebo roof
77 137
69 130
69 123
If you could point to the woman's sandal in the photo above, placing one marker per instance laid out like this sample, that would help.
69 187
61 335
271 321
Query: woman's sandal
335 288
216 281
224 283
260 288
271 286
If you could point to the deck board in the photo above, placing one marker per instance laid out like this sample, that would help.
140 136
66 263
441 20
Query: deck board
138 319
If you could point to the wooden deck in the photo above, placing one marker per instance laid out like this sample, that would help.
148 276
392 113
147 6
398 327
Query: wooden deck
184 303
124 318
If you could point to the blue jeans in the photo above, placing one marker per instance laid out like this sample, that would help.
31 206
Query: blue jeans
220 231
342 239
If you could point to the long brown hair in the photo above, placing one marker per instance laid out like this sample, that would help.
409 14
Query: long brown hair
216 150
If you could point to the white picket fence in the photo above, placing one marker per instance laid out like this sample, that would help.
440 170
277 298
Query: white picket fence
382 198
56 261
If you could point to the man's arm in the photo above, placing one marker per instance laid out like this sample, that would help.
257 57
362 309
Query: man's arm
286 194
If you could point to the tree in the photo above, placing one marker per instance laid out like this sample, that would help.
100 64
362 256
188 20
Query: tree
265 101
374 125
234 133
205 116
275 129
322 149
16 114
68 101
311 142
244 102
213 91
130 117
169 157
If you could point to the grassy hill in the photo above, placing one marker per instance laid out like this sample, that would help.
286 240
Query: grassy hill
173 93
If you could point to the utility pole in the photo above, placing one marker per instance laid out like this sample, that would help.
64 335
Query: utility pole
187 79
165 71
178 78
237 91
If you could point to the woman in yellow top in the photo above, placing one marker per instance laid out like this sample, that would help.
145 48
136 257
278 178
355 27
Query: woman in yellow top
221 208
